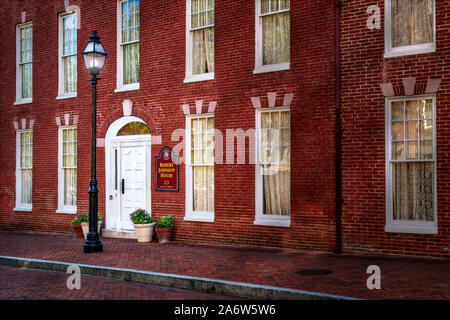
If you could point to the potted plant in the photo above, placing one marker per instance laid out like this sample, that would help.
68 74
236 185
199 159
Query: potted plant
76 225
144 225
84 219
164 229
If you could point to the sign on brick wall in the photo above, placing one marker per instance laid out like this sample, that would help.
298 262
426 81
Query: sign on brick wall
166 170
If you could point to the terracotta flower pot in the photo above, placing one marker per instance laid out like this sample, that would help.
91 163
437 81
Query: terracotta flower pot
144 232
85 227
78 231
164 234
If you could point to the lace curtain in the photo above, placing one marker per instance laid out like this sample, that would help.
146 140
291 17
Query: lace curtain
412 187
412 22
275 31
203 50
70 166
275 162
202 159
26 165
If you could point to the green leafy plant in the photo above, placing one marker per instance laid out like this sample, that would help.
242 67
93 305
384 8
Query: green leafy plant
165 222
140 216
84 217
76 221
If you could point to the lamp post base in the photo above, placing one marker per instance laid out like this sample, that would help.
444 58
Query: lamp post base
92 243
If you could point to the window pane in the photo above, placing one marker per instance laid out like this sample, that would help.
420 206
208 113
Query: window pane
265 6
70 74
276 189
27 80
426 129
276 38
412 110
426 109
203 189
398 151
131 63
26 191
397 130
411 130
412 22
134 128
413 191
411 150
426 149
203 51
397 110
70 187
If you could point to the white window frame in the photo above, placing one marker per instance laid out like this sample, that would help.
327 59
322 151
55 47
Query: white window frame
61 207
120 86
261 218
19 99
61 74
405 50
190 77
259 67
419 227
191 215
19 205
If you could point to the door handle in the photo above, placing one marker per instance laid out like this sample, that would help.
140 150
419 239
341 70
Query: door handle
122 186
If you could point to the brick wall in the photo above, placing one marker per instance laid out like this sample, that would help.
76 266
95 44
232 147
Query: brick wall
363 113
159 100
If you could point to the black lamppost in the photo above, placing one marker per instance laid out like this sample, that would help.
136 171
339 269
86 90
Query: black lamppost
94 56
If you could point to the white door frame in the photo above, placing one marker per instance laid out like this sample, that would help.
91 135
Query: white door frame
112 143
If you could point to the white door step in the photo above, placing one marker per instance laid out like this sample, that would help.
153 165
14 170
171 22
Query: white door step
121 234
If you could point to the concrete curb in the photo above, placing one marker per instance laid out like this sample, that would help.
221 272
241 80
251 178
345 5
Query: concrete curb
220 287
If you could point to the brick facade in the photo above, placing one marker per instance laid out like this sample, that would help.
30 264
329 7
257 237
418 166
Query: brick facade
309 83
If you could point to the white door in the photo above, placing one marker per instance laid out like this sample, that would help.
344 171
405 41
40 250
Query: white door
133 182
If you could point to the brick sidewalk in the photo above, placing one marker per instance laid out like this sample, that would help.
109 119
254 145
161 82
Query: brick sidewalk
23 284
402 278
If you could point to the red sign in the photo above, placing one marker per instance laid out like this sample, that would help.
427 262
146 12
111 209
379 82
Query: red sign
166 170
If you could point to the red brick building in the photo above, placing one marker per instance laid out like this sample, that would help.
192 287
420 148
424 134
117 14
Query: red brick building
264 72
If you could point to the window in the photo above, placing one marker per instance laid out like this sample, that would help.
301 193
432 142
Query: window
200 40
273 169
24 170
272 35
409 27
128 45
200 168
68 56
67 179
24 65
411 166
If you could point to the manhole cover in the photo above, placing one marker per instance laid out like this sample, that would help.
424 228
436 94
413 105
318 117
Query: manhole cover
314 272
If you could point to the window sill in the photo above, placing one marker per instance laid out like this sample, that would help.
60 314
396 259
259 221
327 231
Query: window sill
67 211
199 77
411 50
67 96
128 87
274 222
411 229
19 209
272 68
23 101
200 217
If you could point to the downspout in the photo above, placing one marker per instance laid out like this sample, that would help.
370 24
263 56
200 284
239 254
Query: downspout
338 129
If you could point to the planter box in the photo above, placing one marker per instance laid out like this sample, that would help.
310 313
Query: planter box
78 231
144 232
164 234
85 227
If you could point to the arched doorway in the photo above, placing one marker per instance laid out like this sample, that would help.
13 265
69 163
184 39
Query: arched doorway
127 172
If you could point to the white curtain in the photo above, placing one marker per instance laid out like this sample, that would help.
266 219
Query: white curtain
276 38
412 22
27 80
413 191
276 189
203 50
131 63
202 159
70 166
70 74
26 164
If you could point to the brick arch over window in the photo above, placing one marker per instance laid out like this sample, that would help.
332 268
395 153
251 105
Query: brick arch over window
137 112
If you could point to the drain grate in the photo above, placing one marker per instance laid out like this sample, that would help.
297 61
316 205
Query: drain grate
314 272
